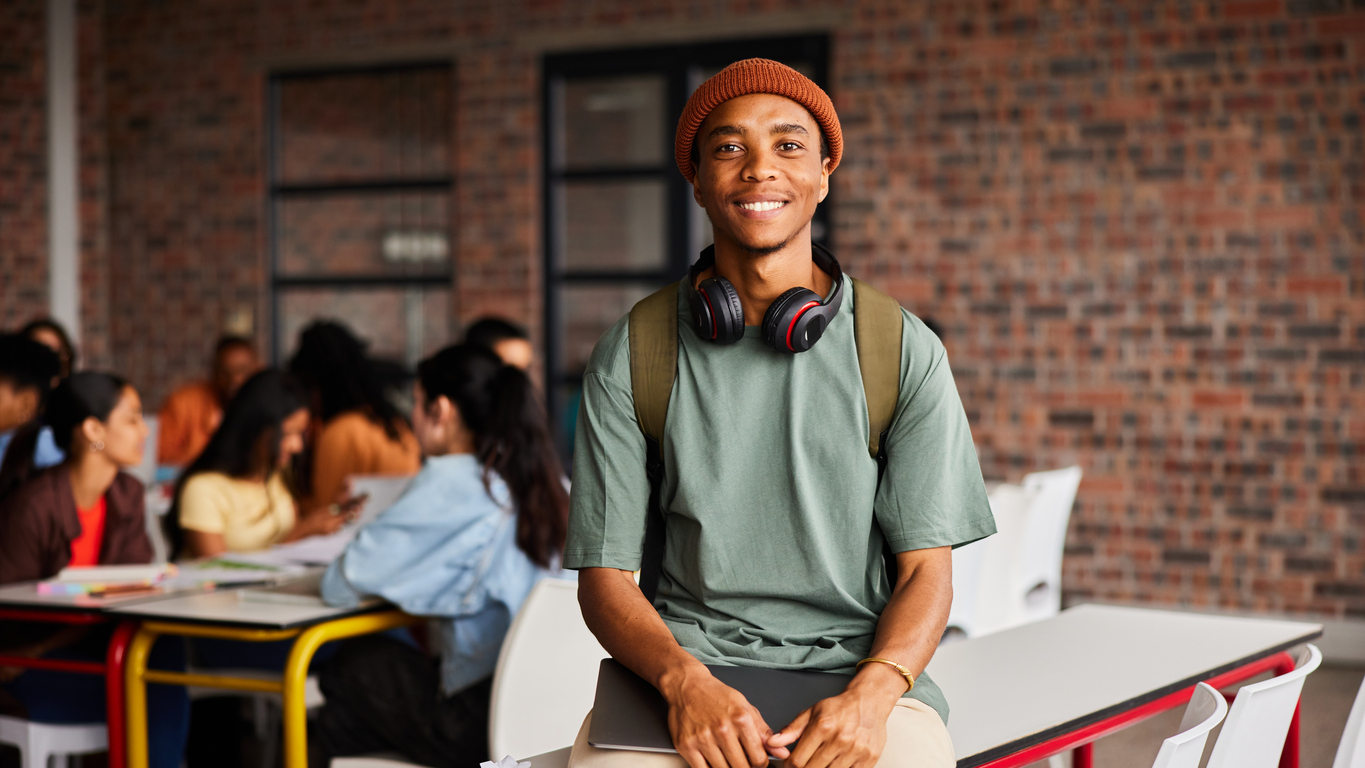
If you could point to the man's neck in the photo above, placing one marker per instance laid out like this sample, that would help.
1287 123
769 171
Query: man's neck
760 279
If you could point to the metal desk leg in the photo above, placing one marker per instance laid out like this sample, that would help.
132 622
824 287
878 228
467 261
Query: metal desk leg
114 657
135 694
296 673
1083 756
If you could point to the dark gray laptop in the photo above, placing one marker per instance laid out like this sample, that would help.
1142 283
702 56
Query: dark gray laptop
628 713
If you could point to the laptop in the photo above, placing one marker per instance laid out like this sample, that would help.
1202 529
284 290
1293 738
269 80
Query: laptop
628 713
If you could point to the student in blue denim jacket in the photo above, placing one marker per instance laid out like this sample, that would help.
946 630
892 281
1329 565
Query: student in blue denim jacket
482 522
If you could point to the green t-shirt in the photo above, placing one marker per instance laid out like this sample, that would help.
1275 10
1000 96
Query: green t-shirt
772 558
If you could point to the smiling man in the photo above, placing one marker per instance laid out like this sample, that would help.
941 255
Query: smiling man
775 516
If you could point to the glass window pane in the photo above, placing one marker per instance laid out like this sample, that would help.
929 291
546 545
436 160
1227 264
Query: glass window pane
403 323
614 122
614 225
587 311
386 233
358 126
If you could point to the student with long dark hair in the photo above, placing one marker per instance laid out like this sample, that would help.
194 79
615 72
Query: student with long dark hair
479 525
82 512
233 497
362 433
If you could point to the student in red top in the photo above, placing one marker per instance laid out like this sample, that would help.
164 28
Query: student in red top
84 511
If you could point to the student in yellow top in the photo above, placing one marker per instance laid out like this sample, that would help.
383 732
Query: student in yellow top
234 497
362 432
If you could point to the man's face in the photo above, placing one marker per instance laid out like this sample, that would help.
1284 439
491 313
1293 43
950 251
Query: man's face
232 368
761 174
17 406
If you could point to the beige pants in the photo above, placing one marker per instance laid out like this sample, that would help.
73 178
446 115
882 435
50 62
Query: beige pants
915 738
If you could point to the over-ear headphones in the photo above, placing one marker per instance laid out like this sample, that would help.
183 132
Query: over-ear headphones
794 321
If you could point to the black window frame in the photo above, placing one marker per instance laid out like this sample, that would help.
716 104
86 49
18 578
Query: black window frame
676 63
278 191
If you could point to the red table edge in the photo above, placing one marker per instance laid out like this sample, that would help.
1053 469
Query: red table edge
112 668
1082 739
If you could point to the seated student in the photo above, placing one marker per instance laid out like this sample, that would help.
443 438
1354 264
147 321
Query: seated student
362 432
81 512
52 335
27 372
234 498
191 414
483 521
507 340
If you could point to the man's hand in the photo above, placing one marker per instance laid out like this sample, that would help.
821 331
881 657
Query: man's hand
848 730
713 724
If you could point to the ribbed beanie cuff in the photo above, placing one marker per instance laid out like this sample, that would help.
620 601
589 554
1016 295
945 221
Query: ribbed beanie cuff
756 76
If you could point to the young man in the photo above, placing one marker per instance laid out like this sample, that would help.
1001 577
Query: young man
27 371
775 517
191 414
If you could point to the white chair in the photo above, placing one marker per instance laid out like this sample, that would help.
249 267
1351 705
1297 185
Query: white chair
1038 569
546 676
1351 750
370 762
39 741
1207 709
997 601
1258 721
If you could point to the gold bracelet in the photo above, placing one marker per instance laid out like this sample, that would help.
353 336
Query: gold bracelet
905 671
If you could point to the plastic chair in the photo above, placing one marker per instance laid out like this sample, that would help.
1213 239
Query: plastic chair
1038 569
39 741
546 676
1351 750
1258 722
997 601
1206 710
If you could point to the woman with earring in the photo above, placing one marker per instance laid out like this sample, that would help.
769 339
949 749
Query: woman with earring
82 512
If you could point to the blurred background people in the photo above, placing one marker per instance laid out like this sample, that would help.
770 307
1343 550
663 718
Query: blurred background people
82 512
51 334
191 414
490 492
506 339
361 432
28 369
234 497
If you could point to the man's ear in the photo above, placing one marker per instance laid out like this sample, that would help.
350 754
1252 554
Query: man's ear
824 178
696 185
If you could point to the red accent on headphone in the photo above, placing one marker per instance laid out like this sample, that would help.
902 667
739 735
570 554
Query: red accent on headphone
796 317
715 323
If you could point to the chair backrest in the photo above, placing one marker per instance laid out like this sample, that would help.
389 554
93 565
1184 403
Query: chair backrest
1039 568
1351 750
546 676
968 561
1253 735
1207 709
999 605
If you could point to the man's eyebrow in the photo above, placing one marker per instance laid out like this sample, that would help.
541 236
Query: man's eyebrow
725 130
790 128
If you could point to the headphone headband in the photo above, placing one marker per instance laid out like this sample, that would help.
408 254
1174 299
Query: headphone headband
793 322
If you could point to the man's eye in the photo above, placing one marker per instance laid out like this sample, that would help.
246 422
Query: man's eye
728 148
788 146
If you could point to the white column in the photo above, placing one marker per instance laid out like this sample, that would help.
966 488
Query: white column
63 213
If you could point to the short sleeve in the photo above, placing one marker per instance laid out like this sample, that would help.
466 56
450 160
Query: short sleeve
205 502
610 492
932 494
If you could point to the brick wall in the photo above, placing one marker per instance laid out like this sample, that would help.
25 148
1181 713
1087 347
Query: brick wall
1140 224
23 163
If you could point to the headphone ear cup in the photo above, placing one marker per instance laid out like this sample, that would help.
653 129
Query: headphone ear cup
778 319
727 314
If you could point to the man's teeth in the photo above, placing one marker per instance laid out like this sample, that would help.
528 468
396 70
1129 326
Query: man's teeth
765 206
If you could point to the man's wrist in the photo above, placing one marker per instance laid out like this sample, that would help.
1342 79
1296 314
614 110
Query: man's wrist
671 682
879 681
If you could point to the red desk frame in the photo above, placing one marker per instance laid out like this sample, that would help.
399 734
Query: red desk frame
1081 740
112 668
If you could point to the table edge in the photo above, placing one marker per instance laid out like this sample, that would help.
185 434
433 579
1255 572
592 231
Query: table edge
1034 739
301 624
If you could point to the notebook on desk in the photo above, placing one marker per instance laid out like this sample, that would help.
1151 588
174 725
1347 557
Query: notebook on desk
628 713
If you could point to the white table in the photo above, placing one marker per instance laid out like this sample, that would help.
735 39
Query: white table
1020 695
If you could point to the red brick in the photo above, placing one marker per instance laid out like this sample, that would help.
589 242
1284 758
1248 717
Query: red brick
1252 9
1316 286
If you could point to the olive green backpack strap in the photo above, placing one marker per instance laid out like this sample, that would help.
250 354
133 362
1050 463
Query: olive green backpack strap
653 332
877 326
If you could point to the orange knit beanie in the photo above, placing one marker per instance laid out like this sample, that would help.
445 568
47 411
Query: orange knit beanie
756 76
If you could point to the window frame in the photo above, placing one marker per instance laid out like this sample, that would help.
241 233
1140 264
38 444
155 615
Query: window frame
278 191
676 63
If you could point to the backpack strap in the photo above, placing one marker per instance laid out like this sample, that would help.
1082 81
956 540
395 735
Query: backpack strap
653 334
877 326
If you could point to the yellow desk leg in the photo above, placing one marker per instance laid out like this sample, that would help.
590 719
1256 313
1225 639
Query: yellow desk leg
135 696
296 673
